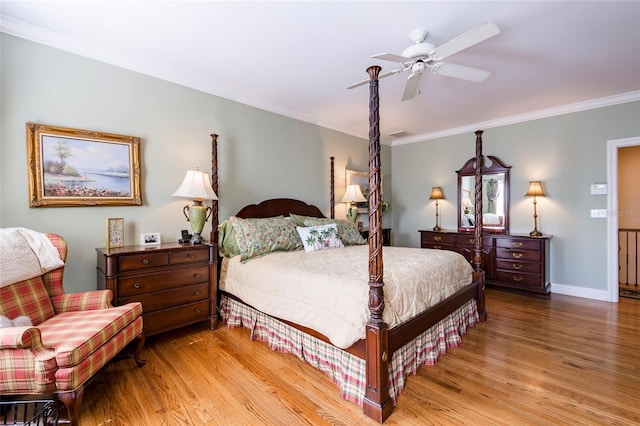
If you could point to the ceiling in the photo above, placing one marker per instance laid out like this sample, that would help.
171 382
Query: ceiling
296 57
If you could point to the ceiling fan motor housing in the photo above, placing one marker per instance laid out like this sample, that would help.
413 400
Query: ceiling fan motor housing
418 50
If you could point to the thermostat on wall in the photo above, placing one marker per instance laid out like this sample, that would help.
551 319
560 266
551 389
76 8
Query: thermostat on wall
598 189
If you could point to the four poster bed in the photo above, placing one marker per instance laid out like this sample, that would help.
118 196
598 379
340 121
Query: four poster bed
367 339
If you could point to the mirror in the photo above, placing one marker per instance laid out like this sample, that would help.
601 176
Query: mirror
495 194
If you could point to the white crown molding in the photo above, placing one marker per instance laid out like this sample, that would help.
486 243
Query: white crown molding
529 116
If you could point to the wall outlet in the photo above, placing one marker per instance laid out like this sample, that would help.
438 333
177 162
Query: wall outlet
598 213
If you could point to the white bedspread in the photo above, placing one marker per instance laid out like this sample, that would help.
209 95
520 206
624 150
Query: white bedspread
328 290
25 253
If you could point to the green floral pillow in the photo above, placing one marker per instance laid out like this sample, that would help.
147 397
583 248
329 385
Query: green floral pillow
315 238
227 242
257 237
347 230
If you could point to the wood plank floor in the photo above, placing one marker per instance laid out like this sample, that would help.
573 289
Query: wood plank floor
536 362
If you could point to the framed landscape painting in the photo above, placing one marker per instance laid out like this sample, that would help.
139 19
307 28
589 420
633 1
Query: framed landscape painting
72 167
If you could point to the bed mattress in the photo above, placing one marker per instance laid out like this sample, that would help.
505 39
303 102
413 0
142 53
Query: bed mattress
328 290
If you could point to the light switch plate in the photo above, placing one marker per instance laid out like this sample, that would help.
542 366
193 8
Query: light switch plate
598 213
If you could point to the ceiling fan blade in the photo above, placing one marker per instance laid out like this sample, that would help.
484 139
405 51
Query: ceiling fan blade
460 71
411 88
466 40
391 57
383 75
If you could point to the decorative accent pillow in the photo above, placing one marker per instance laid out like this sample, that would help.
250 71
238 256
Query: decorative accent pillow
227 243
259 236
317 238
347 230
22 321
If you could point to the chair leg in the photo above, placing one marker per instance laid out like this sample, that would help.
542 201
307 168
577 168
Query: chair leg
138 350
72 401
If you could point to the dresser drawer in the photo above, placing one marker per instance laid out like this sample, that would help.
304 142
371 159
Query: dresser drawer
142 261
518 278
135 285
526 255
515 243
170 298
515 266
186 256
438 238
166 319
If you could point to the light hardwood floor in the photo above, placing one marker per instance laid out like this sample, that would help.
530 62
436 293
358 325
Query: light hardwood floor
536 361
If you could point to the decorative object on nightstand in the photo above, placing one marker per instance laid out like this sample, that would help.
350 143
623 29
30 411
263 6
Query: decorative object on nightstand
436 194
352 195
535 190
197 187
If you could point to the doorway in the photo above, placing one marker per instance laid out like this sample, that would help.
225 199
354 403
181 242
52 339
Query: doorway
613 147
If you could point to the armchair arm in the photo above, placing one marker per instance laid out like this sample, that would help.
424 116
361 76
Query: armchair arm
87 301
20 338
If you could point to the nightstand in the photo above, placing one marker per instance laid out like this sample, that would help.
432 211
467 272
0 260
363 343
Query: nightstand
176 283
386 236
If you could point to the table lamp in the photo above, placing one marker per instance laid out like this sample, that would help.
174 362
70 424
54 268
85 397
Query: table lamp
197 187
535 190
436 194
352 195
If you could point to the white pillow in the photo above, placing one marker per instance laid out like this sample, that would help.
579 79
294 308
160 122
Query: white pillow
321 237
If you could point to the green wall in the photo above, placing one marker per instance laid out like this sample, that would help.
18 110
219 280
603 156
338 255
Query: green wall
261 155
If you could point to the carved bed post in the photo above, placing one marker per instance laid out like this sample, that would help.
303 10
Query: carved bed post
478 253
377 402
214 185
332 197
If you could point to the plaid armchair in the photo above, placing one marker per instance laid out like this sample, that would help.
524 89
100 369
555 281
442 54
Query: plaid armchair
73 336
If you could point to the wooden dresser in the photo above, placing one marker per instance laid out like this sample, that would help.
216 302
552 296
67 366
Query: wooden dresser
176 283
510 260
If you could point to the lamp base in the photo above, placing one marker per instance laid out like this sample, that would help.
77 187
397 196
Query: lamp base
437 228
197 239
535 233
352 214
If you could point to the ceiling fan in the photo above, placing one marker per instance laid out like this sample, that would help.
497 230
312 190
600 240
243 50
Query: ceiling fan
423 55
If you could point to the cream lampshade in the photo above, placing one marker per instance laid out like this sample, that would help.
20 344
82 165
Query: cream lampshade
197 187
352 195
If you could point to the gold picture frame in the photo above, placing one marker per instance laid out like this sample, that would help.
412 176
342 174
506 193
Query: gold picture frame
114 232
72 167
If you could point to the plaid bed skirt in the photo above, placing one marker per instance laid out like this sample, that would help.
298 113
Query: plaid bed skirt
346 370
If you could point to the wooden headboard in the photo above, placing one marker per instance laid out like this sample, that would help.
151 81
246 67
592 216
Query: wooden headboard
279 206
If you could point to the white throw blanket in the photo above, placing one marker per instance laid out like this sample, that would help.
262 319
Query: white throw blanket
24 254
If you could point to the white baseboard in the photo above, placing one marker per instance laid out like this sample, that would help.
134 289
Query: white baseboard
587 293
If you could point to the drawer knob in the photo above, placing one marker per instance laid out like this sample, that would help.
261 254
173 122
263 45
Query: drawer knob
437 238
471 240
197 292
517 278
145 261
190 256
437 247
137 285
517 244
517 266
196 275
517 255
197 310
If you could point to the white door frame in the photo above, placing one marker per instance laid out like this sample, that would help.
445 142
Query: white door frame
612 215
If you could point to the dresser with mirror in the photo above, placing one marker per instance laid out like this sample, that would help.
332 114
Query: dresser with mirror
517 261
